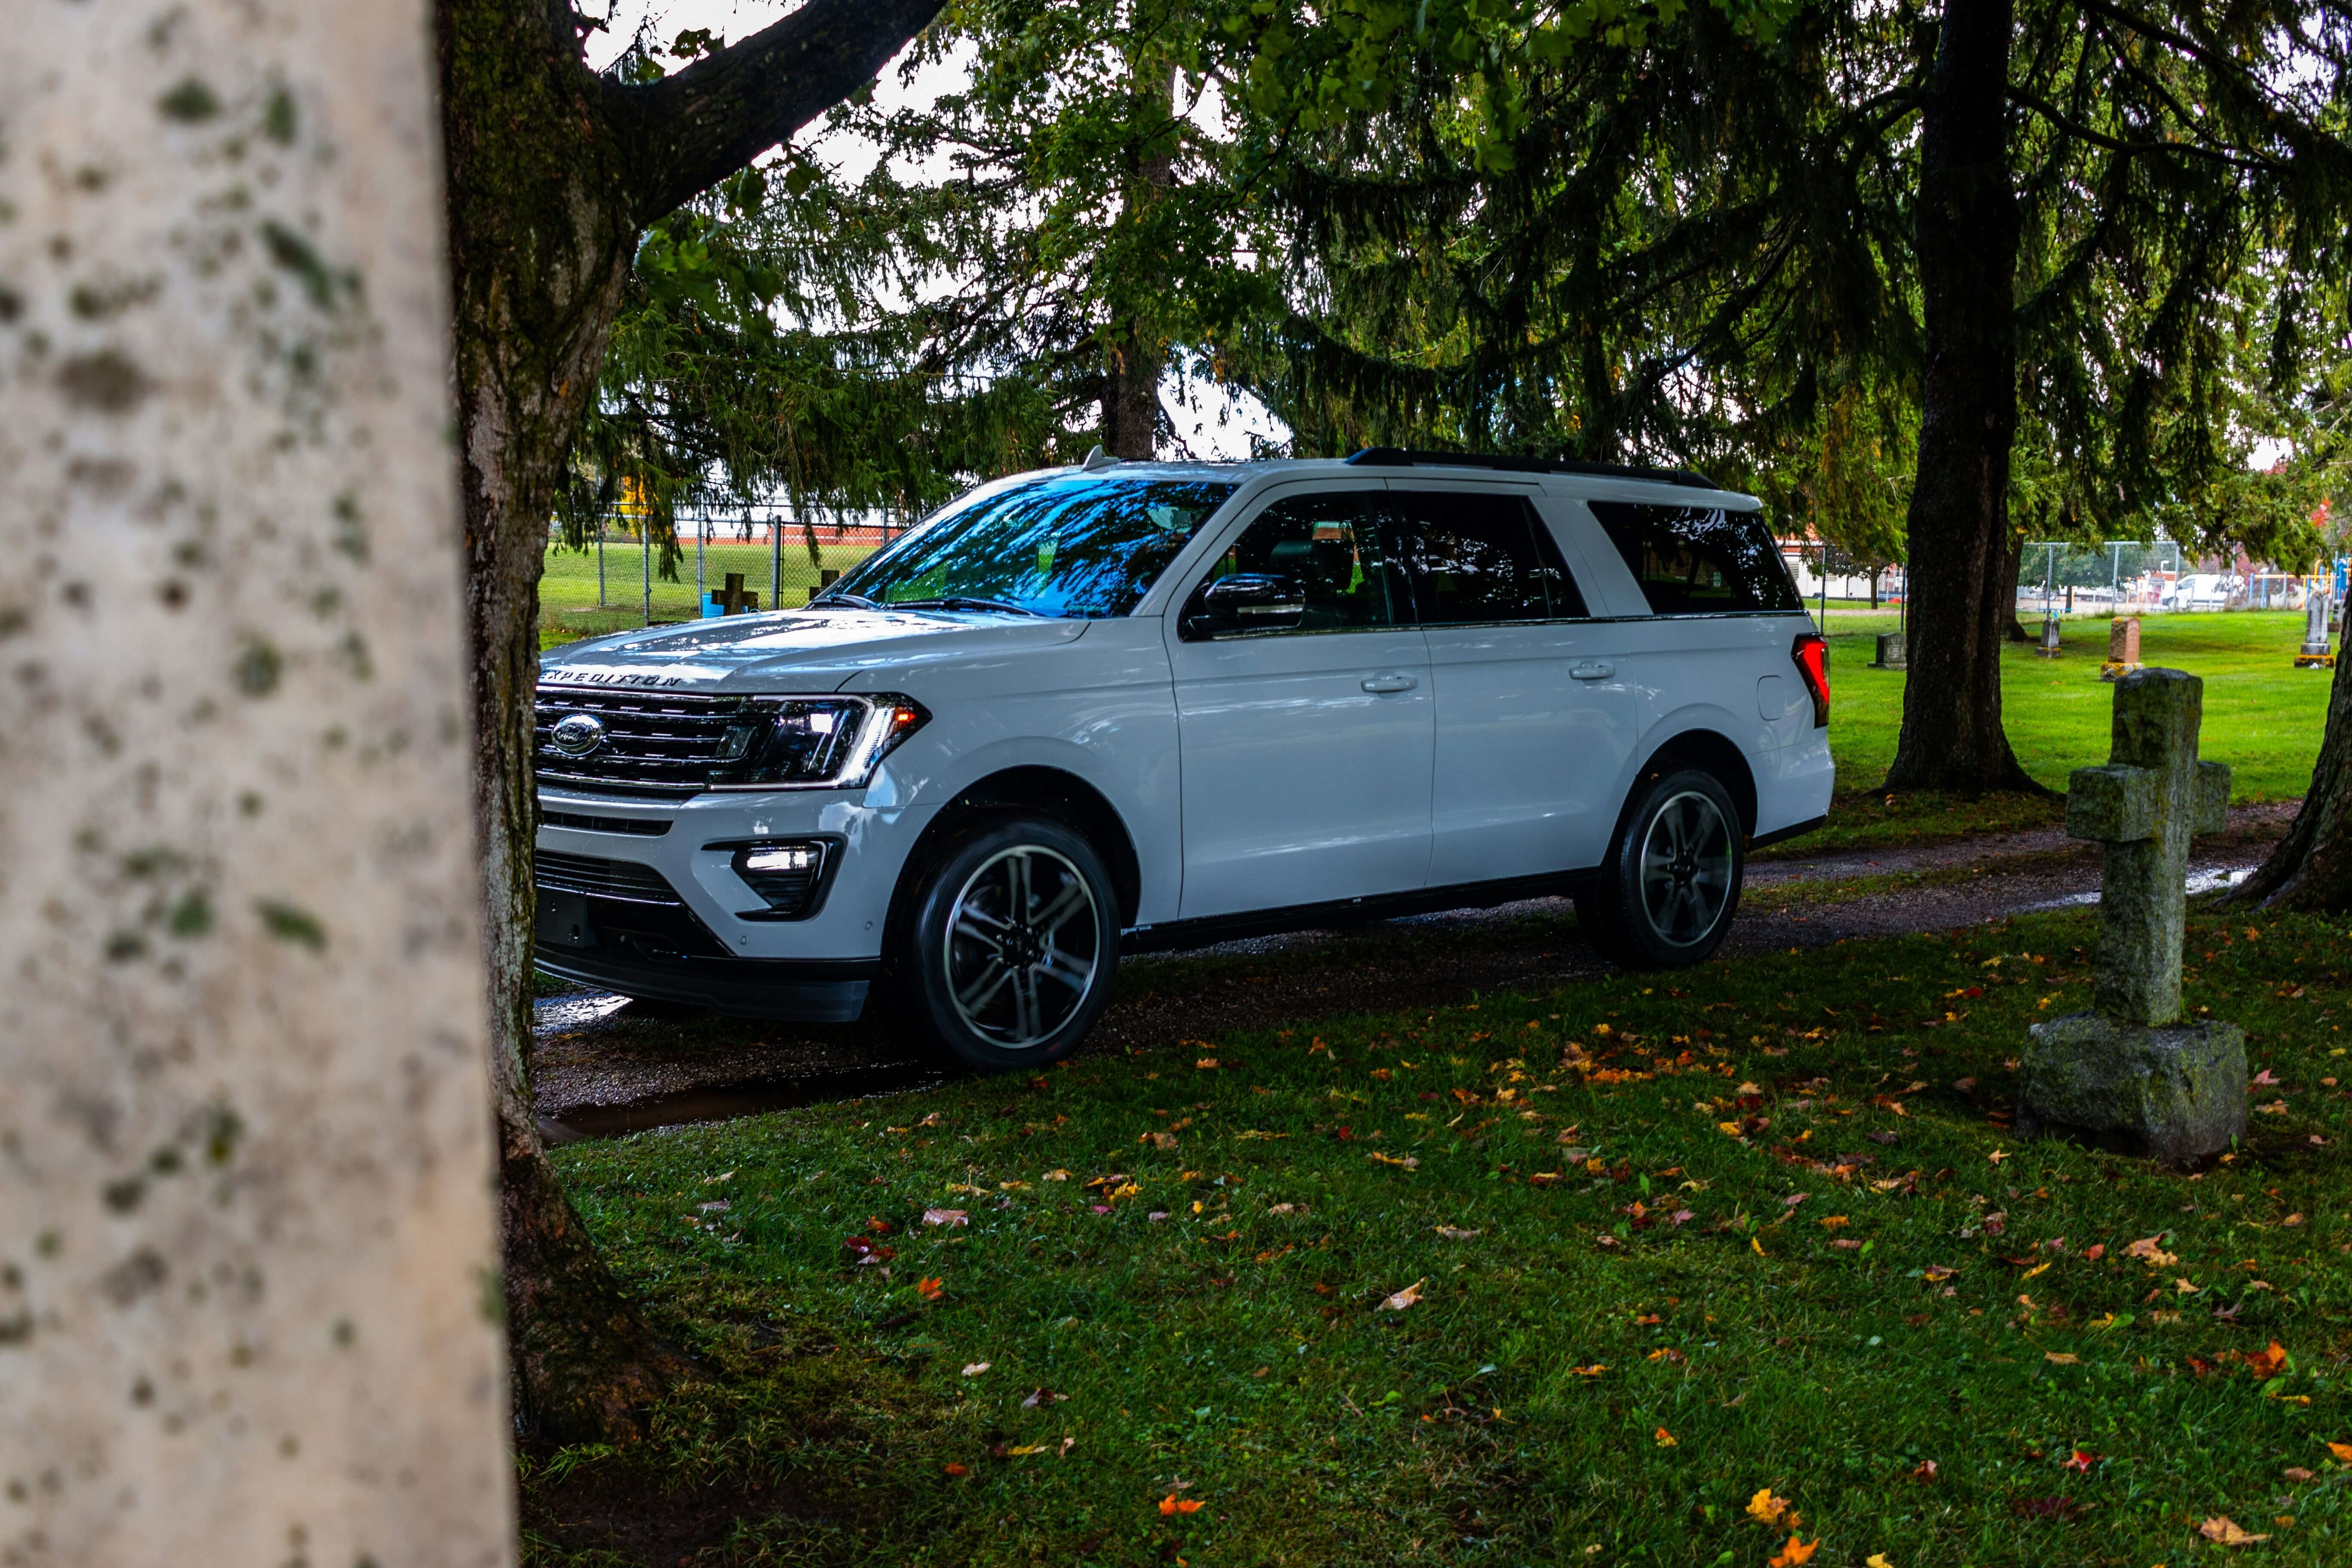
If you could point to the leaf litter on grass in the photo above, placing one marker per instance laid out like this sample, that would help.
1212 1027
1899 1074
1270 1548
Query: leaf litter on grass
1184 1310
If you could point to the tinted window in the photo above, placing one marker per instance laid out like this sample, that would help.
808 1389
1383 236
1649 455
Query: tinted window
1698 561
1074 545
1329 545
1476 558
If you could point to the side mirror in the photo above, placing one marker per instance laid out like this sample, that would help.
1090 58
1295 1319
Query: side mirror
1246 602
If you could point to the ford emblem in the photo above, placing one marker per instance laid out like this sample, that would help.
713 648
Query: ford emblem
577 735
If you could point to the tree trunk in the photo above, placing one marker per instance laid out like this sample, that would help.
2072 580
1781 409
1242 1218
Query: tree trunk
1139 350
2311 867
541 237
1960 536
245 1148
2013 568
554 172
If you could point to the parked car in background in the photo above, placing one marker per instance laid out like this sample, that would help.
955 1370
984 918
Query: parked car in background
2199 591
1137 706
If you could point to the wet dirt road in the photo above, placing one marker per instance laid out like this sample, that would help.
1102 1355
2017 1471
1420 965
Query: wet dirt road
604 1067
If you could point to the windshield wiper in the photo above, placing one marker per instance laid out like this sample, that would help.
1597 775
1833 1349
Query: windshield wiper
843 597
963 602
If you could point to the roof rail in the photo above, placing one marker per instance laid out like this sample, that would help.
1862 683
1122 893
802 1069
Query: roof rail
1411 457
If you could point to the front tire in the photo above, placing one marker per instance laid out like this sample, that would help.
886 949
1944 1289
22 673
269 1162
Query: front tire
1007 957
1671 885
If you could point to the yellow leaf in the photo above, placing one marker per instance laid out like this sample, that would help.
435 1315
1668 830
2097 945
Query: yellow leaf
1766 1508
1758 1243
1029 1448
1663 1438
2226 1530
1728 1128
1876 1560
2037 1269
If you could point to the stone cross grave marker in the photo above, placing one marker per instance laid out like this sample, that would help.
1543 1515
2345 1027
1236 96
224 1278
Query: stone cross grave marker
2131 1075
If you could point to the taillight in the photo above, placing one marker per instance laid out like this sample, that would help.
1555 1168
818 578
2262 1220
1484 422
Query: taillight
1813 656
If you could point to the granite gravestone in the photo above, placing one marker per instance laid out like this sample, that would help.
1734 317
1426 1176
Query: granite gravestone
2314 654
2131 1075
2123 649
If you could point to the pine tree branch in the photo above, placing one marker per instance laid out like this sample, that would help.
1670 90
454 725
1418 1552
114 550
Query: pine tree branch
2072 127
689 130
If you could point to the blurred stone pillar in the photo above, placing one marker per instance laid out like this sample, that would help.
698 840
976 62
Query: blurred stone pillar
247 1261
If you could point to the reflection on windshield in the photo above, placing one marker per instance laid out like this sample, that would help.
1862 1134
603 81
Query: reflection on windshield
1081 546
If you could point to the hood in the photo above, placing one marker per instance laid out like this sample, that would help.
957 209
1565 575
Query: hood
811 649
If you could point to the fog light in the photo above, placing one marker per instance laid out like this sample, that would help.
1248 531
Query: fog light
785 875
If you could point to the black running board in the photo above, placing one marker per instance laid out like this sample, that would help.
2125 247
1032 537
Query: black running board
1209 930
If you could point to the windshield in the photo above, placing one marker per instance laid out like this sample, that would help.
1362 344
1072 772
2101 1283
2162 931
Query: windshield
1080 546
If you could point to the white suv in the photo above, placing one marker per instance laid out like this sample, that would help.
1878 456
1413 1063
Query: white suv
1133 706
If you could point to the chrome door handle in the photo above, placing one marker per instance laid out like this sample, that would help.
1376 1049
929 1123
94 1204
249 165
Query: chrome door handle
1592 669
1383 684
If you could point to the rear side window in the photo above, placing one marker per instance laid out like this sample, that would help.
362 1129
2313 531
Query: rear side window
1698 561
1481 558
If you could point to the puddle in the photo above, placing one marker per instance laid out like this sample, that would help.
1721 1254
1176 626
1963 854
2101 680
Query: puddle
2199 882
745 1097
574 1010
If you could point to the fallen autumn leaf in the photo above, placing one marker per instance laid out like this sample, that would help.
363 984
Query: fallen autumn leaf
2226 1532
1405 1297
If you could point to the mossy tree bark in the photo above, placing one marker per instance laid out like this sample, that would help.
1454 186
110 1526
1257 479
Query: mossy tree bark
1959 535
554 172
2311 867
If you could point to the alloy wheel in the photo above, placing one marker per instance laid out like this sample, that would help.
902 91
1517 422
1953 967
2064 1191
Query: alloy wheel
1023 946
1687 866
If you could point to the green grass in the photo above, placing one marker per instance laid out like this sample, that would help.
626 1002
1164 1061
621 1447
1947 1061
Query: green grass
567 587
2263 717
1631 1155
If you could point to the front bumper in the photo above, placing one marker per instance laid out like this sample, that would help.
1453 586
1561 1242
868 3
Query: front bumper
642 897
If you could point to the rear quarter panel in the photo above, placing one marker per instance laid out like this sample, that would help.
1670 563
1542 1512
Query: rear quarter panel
1732 675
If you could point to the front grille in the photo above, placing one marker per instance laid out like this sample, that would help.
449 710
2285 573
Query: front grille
655 743
604 879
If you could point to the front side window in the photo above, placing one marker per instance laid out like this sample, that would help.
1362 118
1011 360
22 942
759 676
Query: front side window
1698 560
1477 558
1079 546
1323 553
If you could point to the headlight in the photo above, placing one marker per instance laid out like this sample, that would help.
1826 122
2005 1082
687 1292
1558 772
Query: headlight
812 743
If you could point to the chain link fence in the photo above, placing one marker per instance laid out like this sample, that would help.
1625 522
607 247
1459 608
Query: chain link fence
616 581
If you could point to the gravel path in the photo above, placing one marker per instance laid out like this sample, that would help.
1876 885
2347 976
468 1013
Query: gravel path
604 1067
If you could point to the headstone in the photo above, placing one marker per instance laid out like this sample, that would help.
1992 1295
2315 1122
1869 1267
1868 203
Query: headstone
2050 646
1894 653
2123 649
2131 1075
2314 654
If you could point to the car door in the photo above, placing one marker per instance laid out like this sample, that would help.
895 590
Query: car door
1304 748
1535 720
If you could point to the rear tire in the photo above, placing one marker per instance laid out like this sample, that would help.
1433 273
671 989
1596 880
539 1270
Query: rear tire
1006 955
1671 885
